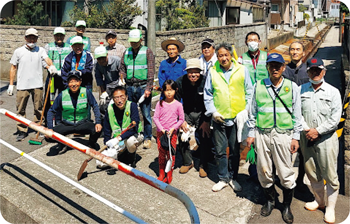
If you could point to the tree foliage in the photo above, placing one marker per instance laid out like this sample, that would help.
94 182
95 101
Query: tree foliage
28 13
117 14
344 8
302 8
185 16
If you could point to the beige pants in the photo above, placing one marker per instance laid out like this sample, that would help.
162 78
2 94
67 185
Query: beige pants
274 148
22 97
321 159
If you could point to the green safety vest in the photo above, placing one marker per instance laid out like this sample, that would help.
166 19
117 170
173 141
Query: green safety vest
136 67
116 129
57 54
229 98
260 72
85 42
272 113
69 113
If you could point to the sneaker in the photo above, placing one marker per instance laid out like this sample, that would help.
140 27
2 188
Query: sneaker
202 173
185 169
235 185
219 186
147 144
21 136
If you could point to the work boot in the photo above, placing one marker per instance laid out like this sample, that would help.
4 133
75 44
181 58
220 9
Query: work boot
185 169
270 194
169 176
287 200
332 195
147 144
161 172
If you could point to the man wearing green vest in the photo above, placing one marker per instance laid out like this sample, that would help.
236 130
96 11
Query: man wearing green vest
227 93
119 114
254 59
56 51
137 68
71 106
274 127
80 27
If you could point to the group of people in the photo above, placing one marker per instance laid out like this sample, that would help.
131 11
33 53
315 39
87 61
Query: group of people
213 101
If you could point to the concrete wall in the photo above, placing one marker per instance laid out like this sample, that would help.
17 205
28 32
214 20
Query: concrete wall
12 37
275 41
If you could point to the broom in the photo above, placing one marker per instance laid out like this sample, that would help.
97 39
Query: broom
36 140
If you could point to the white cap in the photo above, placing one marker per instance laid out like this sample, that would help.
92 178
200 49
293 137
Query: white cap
59 30
135 35
76 40
80 23
31 31
100 51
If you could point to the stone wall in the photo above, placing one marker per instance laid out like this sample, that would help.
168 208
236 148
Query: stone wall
12 37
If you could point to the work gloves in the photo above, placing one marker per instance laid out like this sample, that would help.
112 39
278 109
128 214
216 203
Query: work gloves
218 118
52 70
113 143
103 98
10 90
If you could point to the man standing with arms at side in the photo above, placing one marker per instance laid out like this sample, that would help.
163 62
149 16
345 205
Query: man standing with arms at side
254 59
208 57
113 48
274 127
321 108
27 63
137 68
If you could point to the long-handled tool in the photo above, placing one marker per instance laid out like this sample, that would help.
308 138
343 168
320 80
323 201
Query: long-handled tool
36 140
85 163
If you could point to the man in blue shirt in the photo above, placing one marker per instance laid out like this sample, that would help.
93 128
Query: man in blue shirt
173 67
71 107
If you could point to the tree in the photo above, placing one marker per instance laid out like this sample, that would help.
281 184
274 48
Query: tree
117 14
302 8
343 8
189 15
28 13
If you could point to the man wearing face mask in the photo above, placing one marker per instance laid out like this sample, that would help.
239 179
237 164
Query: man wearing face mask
321 108
27 61
254 59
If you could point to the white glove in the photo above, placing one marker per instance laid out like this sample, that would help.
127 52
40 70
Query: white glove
112 143
121 82
142 98
103 98
52 69
218 118
58 73
10 90
110 152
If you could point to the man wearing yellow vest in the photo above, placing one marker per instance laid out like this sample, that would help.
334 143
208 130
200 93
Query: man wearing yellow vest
56 51
137 68
119 114
274 127
227 92
254 59
71 105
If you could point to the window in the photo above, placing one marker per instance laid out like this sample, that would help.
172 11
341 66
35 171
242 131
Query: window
274 8
232 15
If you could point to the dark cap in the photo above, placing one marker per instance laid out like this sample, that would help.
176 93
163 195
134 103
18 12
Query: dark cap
209 41
315 62
111 32
74 73
274 57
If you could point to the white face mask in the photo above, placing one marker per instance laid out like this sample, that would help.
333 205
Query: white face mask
316 82
253 46
31 45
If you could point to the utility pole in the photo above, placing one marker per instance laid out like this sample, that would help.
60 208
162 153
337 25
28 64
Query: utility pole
151 28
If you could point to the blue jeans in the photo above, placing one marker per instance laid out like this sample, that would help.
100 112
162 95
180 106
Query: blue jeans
134 94
223 136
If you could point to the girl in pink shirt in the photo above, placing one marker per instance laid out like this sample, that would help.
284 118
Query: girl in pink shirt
168 117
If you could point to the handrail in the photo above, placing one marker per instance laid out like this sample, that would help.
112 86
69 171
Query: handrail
172 191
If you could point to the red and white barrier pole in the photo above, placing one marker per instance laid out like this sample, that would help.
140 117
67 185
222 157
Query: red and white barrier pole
111 162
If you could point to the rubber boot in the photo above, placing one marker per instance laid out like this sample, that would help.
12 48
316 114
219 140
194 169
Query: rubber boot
270 194
332 195
161 172
287 201
317 188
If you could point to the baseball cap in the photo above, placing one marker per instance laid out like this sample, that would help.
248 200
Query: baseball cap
31 31
274 57
315 62
193 63
135 35
76 40
74 73
209 41
100 51
112 32
80 23
59 30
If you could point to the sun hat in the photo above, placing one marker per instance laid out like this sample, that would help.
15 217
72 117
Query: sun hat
173 40
193 63
31 31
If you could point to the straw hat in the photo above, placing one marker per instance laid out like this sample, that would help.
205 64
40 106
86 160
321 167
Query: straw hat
173 40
